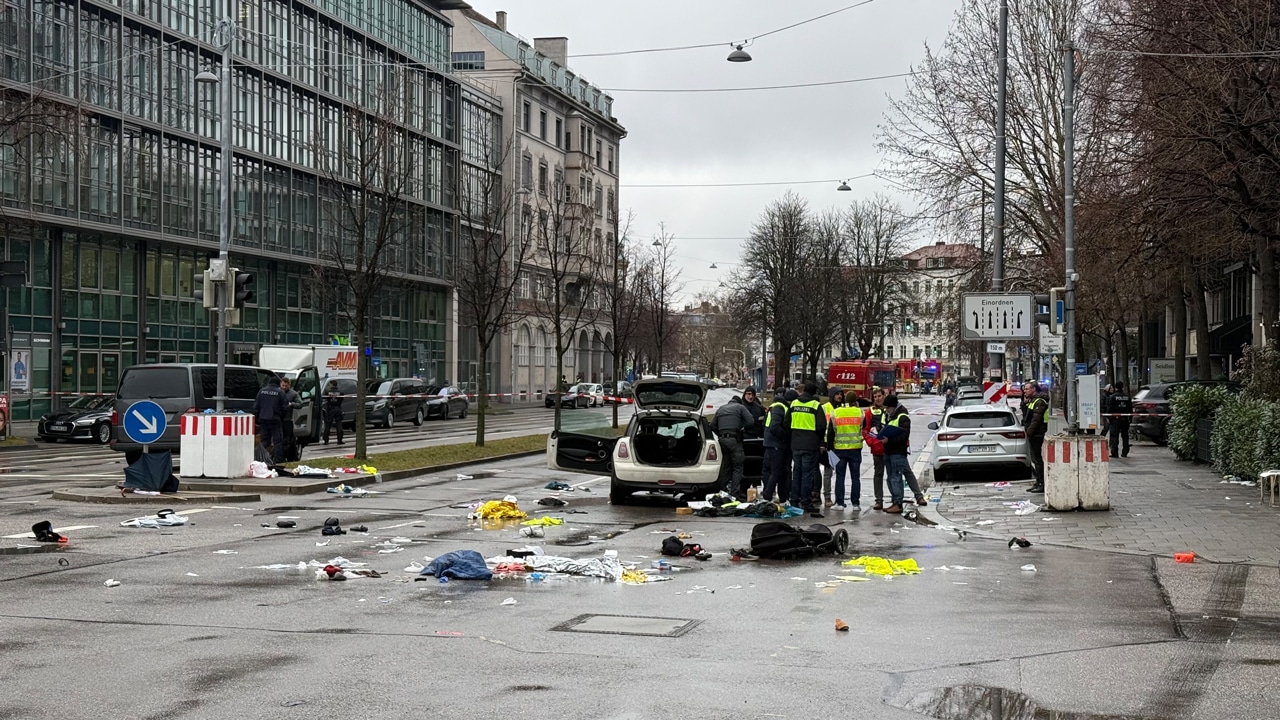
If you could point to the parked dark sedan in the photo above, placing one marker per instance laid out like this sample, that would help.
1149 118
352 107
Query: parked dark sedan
1151 406
88 418
619 390
448 402
397 399
574 397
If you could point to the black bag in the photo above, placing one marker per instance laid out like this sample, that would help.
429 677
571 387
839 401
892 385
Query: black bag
780 540
673 546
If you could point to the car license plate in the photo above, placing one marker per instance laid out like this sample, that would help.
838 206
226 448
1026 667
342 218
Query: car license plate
982 448
61 427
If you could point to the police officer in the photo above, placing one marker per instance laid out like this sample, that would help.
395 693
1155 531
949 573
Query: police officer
1035 419
731 422
824 460
332 410
808 426
875 419
777 447
844 437
1119 408
293 402
268 409
895 432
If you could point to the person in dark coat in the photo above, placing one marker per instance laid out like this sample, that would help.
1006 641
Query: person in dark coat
293 401
731 423
808 426
757 411
333 415
268 410
777 448
1119 408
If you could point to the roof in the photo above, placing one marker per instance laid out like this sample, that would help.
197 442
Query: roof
958 251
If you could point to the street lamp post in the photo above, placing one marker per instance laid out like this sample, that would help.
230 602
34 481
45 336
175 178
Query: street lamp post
219 270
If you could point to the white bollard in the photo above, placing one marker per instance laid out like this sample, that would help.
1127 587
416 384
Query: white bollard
1095 473
228 445
1061 473
191 445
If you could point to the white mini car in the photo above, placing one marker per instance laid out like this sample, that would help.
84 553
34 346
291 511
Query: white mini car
669 445
979 437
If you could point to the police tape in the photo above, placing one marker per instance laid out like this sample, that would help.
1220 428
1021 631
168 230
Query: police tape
469 396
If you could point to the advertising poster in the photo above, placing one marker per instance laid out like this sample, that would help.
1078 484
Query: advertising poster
20 371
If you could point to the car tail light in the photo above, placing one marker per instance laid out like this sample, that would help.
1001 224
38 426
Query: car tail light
948 436
623 453
1017 435
115 418
711 453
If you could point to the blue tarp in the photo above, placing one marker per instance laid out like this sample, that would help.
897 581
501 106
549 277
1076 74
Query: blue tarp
459 565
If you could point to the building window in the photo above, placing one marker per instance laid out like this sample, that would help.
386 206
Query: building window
888 352
599 200
611 156
526 115
525 291
542 124
599 153
522 346
542 177
468 61
559 132
526 172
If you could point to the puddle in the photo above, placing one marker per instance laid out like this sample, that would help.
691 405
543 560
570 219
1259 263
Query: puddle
978 702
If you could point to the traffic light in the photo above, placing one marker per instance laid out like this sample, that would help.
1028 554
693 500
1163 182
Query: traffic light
1042 309
243 291
1057 310
204 290
908 327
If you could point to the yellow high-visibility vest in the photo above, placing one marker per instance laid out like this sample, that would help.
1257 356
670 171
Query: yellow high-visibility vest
768 418
804 415
848 424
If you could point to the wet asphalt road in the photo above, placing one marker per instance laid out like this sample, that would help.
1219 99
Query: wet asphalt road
196 631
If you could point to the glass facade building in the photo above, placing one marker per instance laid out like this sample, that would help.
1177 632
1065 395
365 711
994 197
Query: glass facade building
111 196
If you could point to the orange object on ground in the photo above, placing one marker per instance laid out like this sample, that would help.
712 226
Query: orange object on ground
841 626
1185 557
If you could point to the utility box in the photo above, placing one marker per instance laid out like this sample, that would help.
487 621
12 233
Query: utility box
1077 473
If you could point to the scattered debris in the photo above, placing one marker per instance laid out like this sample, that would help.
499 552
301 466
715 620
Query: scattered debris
509 601
226 552
985 522
1020 542
841 626
499 510
1028 568
544 520
332 526
532 532
286 524
43 531
557 485
883 566
1184 557
162 518
112 583
350 491
552 502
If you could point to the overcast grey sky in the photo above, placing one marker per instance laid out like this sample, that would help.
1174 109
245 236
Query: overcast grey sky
789 135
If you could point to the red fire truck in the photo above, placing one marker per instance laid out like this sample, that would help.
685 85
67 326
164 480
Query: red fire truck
860 376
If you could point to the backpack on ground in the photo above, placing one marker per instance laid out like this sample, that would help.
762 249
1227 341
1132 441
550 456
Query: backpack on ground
780 540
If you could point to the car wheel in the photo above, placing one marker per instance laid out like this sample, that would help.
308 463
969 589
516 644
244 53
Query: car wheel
102 433
618 495
390 422
463 415
418 417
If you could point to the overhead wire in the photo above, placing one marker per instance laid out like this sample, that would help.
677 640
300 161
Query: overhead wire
826 83
746 184
721 44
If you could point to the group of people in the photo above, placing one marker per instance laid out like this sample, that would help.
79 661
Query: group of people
802 435
273 409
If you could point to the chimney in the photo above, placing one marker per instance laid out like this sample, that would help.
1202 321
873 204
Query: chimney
554 48
940 243
501 18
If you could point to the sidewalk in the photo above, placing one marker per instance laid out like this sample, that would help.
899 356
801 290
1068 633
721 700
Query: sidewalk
1158 506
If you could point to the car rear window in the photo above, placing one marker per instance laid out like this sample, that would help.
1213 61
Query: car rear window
241 383
1142 393
979 420
155 383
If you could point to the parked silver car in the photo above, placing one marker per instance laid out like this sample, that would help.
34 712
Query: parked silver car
980 437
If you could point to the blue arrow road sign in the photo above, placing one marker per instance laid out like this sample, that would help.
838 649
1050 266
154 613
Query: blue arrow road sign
144 422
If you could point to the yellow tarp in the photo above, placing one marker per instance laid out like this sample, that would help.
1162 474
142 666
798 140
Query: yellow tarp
884 566
500 510
634 577
544 520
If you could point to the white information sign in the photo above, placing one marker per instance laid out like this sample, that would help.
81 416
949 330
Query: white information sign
995 347
1051 344
1088 402
998 316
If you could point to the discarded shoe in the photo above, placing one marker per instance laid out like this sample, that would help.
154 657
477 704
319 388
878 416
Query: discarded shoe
1020 542
552 502
704 555
286 524
43 531
360 528
557 485
841 626
332 530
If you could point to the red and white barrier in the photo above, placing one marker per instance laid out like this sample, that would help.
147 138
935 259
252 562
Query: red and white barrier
1077 473
217 445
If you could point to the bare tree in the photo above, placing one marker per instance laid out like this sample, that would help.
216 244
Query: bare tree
369 183
33 125
490 253
878 234
707 331
772 268
663 286
621 294
817 312
565 259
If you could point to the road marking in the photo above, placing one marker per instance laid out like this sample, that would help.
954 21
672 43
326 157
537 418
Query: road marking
69 528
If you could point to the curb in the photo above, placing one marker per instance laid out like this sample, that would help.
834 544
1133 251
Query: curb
17 447
112 496
414 472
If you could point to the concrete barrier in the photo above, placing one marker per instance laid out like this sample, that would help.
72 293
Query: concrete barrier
1077 473
216 445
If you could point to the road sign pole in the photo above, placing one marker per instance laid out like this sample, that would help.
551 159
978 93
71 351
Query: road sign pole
1069 228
